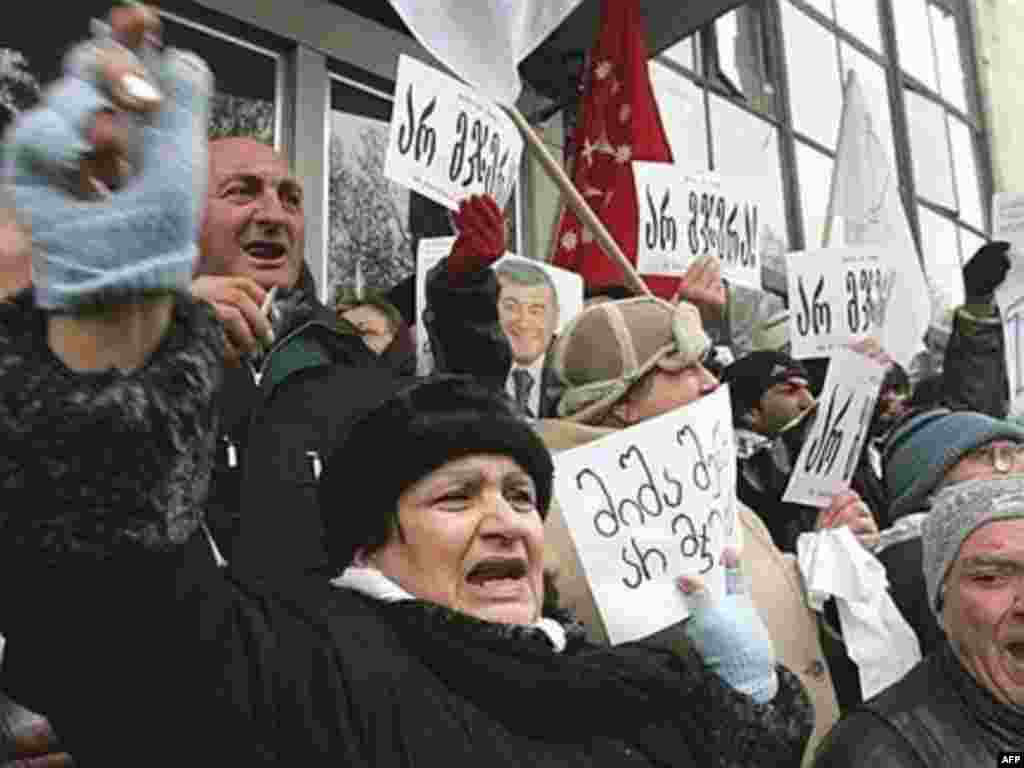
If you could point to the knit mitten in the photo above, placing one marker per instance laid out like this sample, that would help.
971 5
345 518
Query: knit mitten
732 639
141 238
481 239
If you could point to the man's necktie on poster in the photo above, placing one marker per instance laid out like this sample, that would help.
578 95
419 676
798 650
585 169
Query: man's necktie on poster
523 381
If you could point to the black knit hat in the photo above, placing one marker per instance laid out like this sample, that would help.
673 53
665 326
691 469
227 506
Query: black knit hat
422 427
751 376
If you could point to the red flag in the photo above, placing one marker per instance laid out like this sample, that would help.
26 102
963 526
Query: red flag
619 123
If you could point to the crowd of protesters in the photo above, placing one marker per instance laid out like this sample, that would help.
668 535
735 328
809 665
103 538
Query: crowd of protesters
235 528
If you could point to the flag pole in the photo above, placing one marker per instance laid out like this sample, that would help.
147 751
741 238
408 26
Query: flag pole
575 201
826 234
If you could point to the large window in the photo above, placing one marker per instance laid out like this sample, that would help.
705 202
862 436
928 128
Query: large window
760 91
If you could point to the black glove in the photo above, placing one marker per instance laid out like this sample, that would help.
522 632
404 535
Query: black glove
986 269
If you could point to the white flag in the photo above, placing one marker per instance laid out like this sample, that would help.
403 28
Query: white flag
866 196
484 41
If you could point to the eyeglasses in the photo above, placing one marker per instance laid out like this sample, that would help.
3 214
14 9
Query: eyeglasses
1001 456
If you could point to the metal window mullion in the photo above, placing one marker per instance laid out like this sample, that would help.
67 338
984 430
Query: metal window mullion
772 19
900 128
306 144
978 126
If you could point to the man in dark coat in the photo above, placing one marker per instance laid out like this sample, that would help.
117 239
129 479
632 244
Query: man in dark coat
964 703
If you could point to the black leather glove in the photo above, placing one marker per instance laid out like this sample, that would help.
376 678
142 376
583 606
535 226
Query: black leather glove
986 269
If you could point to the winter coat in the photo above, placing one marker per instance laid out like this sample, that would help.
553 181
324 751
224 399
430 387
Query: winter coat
937 716
276 433
142 651
775 583
974 366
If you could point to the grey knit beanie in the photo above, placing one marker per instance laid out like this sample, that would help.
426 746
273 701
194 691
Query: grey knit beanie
957 512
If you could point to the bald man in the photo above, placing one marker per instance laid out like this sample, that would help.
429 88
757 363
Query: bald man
294 375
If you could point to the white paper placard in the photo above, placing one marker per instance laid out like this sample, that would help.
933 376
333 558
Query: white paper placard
684 216
447 141
832 448
649 504
1008 219
836 296
431 251
568 288
1010 300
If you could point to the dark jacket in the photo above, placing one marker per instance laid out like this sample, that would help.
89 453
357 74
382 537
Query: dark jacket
974 365
142 651
275 436
936 716
466 335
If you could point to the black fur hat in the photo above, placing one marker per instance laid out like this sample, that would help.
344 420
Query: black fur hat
417 430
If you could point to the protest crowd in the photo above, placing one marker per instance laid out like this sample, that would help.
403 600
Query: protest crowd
237 528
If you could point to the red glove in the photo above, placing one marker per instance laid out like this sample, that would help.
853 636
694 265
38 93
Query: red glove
481 239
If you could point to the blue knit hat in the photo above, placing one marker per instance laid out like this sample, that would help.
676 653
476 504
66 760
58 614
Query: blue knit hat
923 448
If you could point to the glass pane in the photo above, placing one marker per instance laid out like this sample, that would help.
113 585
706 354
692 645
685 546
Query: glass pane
967 182
815 171
913 41
970 243
860 18
681 104
939 243
246 82
368 216
682 52
815 89
929 148
748 146
741 57
873 84
951 73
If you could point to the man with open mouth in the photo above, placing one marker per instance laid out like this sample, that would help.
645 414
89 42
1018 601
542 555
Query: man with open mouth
964 703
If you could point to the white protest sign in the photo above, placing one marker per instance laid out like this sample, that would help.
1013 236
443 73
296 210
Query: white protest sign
836 296
447 141
568 287
1008 219
431 251
648 504
683 216
832 448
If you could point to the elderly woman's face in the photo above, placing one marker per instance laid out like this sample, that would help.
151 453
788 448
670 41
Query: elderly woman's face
471 538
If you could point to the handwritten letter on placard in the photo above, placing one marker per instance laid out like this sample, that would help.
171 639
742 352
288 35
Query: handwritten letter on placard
832 448
686 216
447 141
649 504
836 295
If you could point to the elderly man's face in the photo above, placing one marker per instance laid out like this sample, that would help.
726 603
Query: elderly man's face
983 612
254 224
780 405
470 538
528 317
666 391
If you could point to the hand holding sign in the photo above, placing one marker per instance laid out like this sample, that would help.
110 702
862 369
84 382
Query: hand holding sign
702 285
847 509
730 635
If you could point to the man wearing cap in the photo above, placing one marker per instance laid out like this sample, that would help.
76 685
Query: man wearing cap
623 362
925 452
770 397
963 704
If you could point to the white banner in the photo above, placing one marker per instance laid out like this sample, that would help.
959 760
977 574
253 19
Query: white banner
832 448
431 251
1008 224
1008 220
684 216
649 504
484 42
447 141
836 296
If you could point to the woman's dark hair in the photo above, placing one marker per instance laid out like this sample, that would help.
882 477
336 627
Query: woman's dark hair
419 429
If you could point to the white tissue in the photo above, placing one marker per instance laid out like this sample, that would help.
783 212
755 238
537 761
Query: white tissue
877 637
